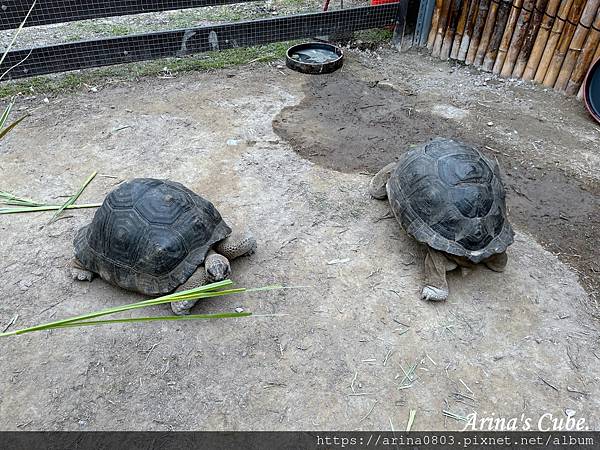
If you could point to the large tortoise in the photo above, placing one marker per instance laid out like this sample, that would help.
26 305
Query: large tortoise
450 197
153 237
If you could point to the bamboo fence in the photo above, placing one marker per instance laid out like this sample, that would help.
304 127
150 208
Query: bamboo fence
553 42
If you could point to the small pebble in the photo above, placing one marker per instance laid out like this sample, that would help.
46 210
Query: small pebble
239 310
490 124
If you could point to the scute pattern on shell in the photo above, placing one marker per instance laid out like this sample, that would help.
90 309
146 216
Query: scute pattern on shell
150 236
450 196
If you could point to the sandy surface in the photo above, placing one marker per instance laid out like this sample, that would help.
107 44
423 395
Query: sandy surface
519 343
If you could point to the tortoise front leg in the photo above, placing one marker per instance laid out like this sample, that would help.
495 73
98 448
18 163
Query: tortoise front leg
497 262
378 185
436 266
80 273
199 278
240 243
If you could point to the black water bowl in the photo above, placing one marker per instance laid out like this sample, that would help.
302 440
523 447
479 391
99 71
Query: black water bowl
314 58
591 90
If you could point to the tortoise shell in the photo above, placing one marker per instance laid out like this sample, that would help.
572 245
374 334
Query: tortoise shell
450 196
149 236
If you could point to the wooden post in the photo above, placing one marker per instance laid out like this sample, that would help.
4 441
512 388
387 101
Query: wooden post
530 36
518 37
466 39
486 35
586 57
581 32
441 28
541 39
494 45
460 28
484 6
507 35
451 29
435 19
563 42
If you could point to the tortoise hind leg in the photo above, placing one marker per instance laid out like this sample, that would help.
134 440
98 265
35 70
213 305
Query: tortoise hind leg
377 187
80 273
199 278
436 266
497 262
240 243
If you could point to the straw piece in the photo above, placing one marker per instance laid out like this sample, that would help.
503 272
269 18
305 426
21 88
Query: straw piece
484 6
455 11
507 35
518 37
469 25
435 19
441 29
74 197
586 57
579 37
497 32
530 35
460 28
563 42
540 41
486 34
30 209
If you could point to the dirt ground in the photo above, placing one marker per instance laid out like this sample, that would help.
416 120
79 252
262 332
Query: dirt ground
290 156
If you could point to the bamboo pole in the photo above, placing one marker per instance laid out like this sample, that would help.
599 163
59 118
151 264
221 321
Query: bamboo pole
585 22
486 34
460 28
586 57
563 42
541 39
435 19
553 37
494 45
441 29
518 37
451 29
507 35
466 39
530 35
484 6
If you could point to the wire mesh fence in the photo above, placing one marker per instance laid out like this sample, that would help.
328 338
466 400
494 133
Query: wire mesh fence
64 35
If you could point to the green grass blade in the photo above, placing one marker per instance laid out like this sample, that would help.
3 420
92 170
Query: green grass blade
6 113
16 34
74 197
29 209
6 130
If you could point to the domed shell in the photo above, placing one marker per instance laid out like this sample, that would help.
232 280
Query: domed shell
450 196
150 236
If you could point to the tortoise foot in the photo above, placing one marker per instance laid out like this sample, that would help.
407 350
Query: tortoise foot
182 308
434 294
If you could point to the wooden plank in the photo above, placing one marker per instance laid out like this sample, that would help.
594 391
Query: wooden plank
58 11
126 49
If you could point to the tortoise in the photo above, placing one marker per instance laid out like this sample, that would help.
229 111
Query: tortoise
450 197
156 237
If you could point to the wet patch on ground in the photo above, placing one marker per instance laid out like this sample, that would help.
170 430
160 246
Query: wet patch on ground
351 125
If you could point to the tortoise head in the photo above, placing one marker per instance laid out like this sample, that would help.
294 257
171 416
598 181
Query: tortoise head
217 267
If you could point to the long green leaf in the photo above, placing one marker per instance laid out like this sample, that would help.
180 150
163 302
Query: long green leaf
6 130
74 197
131 320
28 209
6 113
